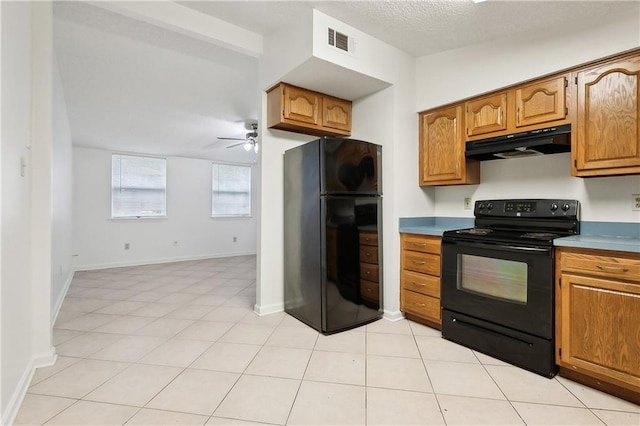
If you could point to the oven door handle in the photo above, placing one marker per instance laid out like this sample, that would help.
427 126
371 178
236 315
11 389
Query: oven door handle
538 250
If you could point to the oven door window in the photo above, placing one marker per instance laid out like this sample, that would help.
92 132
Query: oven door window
493 277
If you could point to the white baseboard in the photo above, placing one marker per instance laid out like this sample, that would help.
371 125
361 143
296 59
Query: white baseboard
61 296
268 309
15 402
141 262
393 315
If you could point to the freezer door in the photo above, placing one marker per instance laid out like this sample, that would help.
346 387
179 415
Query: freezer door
352 281
350 166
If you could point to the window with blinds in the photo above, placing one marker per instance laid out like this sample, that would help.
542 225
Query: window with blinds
138 186
231 190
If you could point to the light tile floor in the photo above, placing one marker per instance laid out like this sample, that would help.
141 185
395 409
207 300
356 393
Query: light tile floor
179 343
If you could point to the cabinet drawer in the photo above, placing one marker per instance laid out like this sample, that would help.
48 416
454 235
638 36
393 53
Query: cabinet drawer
626 268
421 305
369 290
421 262
420 283
369 254
421 243
369 238
369 272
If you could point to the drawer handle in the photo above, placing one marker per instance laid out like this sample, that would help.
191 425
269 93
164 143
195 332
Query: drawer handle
367 254
422 305
420 244
368 272
419 262
369 290
612 268
418 284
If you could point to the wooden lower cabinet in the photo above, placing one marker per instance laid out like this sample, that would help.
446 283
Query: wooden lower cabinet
420 278
598 319
369 269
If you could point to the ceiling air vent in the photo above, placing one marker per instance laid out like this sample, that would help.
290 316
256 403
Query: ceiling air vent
338 40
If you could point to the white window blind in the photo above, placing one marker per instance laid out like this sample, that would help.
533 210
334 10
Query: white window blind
231 190
138 186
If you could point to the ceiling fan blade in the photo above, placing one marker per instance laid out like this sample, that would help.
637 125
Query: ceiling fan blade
231 139
236 144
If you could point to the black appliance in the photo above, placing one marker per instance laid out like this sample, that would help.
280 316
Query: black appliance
332 232
550 140
498 280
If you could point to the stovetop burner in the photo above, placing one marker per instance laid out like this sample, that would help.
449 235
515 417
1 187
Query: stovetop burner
540 235
475 231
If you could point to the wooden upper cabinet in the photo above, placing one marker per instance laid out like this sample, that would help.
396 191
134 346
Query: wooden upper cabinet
301 105
608 122
304 111
541 102
442 143
336 113
486 114
530 106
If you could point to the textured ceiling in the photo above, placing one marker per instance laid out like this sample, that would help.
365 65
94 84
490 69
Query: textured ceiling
428 26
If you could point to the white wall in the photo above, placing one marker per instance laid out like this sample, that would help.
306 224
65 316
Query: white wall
16 319
457 74
62 185
99 241
386 118
27 117
454 75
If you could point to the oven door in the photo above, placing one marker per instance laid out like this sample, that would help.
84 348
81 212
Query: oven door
506 284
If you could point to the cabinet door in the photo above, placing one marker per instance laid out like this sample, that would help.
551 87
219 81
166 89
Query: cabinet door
301 105
336 113
486 115
441 146
599 331
608 133
541 102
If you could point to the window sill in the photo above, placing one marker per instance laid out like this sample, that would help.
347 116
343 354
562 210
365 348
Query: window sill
231 217
137 218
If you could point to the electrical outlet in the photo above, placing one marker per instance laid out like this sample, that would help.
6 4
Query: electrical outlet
467 203
126 246
635 202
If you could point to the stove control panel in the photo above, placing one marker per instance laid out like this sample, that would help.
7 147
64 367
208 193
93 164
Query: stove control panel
539 208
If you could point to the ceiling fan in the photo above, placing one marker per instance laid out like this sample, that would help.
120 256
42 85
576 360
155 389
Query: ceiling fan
250 141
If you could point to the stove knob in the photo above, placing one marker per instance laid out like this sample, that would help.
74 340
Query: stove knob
565 207
490 206
481 206
553 207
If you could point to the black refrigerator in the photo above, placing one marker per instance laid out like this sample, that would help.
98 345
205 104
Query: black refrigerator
333 233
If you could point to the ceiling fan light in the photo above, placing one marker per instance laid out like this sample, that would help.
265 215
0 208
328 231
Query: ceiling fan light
247 146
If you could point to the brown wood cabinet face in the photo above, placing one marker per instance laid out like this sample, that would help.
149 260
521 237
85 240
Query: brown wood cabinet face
336 113
304 111
541 102
421 305
608 130
597 315
301 105
600 326
486 114
442 160
420 278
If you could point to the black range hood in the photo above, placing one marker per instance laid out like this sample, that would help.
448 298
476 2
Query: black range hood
550 140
